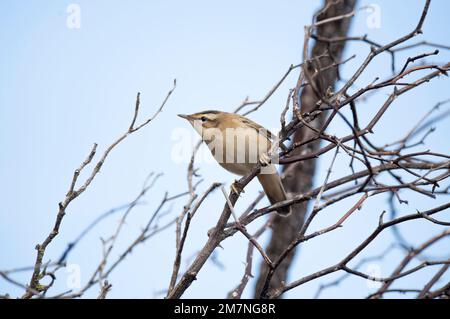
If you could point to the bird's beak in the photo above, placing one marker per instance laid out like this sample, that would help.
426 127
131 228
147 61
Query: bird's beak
186 117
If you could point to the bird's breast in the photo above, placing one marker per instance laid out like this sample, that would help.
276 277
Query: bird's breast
236 149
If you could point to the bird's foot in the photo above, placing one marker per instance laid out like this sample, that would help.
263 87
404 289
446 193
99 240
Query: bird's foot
236 188
264 159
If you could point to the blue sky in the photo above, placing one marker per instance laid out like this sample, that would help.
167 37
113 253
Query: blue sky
64 89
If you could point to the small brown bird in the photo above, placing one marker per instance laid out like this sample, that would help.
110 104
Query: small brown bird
238 144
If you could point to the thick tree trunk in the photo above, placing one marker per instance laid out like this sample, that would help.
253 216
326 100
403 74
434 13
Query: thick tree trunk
299 176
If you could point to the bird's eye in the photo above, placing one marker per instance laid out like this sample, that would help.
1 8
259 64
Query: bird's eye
204 118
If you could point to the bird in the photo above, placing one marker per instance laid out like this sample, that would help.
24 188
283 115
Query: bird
238 144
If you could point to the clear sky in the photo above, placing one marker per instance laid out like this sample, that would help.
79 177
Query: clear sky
62 89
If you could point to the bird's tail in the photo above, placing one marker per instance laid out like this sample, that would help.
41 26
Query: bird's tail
274 190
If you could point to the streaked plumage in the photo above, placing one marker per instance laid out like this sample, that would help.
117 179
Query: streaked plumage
238 144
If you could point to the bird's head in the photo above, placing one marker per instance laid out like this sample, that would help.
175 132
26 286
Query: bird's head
206 123
205 119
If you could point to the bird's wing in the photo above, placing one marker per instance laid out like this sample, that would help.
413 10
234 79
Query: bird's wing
261 129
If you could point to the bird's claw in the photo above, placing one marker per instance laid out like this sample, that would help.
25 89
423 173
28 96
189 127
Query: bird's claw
236 188
264 159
